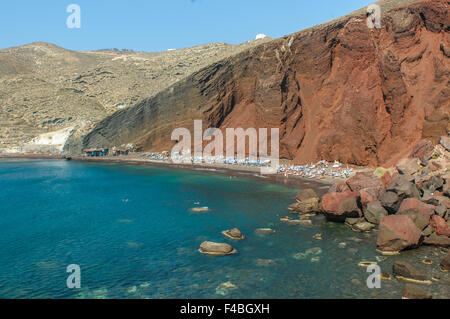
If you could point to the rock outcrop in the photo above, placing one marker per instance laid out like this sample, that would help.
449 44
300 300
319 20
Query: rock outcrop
216 249
338 91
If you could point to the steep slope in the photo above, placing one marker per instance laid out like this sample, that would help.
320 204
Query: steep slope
338 91
45 88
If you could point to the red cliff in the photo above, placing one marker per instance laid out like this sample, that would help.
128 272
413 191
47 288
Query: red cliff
338 91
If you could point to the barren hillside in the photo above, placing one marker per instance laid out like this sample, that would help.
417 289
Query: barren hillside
44 88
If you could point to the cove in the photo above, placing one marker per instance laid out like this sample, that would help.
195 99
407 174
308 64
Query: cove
132 231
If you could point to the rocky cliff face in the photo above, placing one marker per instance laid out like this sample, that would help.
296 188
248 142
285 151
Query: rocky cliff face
338 91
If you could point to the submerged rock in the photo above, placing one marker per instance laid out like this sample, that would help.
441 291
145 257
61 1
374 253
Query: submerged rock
264 231
366 264
363 226
385 276
397 232
427 261
415 292
199 209
407 272
265 262
305 222
318 236
216 249
225 288
233 234
300 256
445 263
313 251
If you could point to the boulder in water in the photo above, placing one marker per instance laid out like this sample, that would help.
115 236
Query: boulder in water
415 292
233 233
407 272
199 209
445 263
216 249
264 231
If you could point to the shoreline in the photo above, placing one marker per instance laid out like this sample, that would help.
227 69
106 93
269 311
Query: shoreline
223 169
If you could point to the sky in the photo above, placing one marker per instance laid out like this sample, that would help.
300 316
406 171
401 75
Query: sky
150 25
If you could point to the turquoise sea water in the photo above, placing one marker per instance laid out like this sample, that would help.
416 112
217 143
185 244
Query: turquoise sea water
132 232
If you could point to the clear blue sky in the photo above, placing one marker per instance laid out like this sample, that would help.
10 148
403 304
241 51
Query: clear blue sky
150 25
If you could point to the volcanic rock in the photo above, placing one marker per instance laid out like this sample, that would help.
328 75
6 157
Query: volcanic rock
363 226
403 187
411 291
339 206
366 196
436 165
374 212
397 232
405 271
339 187
433 184
440 226
408 166
233 233
216 249
307 201
423 151
390 201
420 220
445 263
365 180
416 205
445 142
436 240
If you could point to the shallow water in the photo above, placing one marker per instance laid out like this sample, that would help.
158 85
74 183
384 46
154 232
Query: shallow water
131 230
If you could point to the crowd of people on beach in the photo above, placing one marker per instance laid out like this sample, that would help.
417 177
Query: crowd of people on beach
317 170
